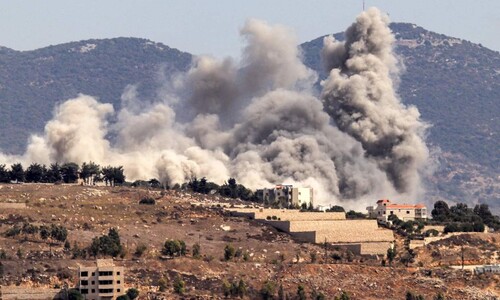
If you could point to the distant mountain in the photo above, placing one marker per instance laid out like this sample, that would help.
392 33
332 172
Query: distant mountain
454 83
32 82
456 86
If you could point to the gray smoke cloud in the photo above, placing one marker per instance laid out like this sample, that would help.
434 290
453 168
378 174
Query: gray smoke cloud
359 95
257 120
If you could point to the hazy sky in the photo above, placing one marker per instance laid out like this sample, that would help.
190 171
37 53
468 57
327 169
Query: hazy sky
211 27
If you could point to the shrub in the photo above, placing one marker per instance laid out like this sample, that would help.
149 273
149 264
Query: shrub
229 252
147 201
140 249
179 285
196 250
267 290
162 284
132 293
13 231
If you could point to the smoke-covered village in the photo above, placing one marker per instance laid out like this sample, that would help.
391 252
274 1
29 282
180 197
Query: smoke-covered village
286 171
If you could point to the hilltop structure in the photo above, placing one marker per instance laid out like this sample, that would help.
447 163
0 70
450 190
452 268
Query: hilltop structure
102 281
288 196
405 212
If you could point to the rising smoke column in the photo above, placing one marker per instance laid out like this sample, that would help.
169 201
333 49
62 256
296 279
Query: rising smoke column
359 95
258 120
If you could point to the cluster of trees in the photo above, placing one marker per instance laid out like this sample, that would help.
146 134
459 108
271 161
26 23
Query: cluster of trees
174 248
230 189
107 244
54 232
460 217
67 172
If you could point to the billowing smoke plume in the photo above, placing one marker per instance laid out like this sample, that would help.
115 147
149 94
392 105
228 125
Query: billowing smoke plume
257 120
359 95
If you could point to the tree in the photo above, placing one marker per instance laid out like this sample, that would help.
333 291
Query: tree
89 172
58 232
113 175
391 254
107 244
53 174
174 248
75 294
4 174
17 173
36 173
69 172
132 293
44 232
336 208
441 211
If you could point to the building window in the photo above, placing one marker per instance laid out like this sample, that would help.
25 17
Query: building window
118 273
84 274
93 273
84 282
407 212
118 281
384 212
118 290
93 282
93 291
105 273
84 291
105 282
392 212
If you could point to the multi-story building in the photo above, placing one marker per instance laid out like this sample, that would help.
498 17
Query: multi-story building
404 212
102 281
288 196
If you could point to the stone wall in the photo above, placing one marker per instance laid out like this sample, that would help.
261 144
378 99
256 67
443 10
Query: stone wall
29 293
5 205
286 214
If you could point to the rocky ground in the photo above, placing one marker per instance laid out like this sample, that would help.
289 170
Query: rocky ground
271 256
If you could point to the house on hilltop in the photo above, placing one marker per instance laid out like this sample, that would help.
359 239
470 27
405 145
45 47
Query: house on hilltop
405 212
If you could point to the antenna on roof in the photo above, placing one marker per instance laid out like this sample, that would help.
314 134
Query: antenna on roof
363 5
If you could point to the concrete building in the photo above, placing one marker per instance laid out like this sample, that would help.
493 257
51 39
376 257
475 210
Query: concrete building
288 196
405 212
102 281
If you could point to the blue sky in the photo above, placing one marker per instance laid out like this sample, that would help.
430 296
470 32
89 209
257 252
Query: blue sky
211 27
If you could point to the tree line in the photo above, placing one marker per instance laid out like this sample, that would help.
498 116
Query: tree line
68 172
460 217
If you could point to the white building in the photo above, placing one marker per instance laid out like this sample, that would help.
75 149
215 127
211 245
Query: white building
103 281
405 212
288 196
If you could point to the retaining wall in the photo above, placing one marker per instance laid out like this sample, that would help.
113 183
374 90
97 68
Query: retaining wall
29 293
286 214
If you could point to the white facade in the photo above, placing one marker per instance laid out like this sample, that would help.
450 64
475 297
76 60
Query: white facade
288 196
104 281
405 212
